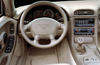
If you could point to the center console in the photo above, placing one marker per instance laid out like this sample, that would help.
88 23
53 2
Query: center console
84 30
84 38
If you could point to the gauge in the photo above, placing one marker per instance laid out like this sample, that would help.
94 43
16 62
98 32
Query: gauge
58 17
29 17
37 14
48 13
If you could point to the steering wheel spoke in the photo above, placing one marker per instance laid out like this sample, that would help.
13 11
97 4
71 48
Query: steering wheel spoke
27 26
62 26
36 39
52 38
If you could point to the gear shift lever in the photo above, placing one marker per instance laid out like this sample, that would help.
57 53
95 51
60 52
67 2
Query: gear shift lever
80 47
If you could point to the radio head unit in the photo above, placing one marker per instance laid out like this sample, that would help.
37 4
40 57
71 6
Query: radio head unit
84 22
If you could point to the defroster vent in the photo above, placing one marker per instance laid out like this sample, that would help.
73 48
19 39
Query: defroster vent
84 12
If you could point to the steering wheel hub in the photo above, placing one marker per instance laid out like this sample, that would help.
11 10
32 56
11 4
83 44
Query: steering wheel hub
44 26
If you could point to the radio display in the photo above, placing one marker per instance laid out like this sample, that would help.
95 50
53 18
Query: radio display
84 22
83 31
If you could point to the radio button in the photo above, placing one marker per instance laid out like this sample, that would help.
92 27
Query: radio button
88 39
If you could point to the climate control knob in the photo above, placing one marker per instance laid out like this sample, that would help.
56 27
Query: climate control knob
79 40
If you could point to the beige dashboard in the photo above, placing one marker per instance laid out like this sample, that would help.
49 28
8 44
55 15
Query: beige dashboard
83 18
70 6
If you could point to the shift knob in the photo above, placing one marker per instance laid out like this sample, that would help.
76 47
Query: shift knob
81 48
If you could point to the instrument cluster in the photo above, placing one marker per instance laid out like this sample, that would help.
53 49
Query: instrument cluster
43 11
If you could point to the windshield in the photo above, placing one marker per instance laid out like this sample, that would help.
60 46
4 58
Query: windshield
26 2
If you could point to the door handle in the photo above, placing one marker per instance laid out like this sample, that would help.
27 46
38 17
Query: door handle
2 44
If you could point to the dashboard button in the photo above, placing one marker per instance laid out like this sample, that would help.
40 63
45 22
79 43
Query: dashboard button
88 39
11 28
10 44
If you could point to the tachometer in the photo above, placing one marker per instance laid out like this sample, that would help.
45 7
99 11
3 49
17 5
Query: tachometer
48 13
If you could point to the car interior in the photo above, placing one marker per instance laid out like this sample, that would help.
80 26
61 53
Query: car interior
47 32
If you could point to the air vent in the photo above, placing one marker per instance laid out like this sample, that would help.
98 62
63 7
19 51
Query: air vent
84 12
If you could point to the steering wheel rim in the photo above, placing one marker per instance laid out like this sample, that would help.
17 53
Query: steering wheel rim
38 4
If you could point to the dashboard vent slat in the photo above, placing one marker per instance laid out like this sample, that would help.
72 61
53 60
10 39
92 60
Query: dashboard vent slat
84 12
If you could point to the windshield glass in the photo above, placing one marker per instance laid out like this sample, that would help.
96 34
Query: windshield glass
26 2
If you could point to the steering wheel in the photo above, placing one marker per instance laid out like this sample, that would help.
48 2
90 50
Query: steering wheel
43 28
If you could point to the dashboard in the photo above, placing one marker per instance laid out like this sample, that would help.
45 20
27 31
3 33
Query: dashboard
82 27
43 11
83 18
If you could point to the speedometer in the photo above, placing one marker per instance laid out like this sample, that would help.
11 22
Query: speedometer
48 13
37 14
